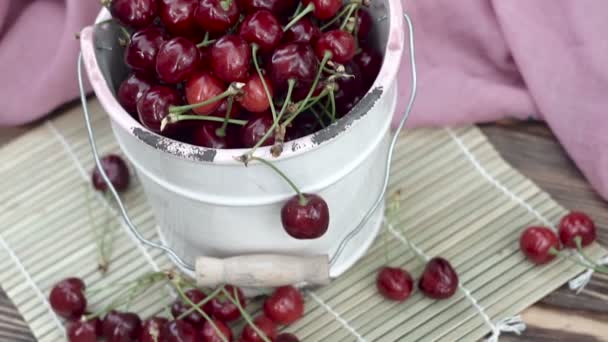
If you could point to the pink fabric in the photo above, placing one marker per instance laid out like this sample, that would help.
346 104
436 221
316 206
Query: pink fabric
479 61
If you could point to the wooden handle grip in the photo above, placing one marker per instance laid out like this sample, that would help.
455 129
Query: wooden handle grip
262 270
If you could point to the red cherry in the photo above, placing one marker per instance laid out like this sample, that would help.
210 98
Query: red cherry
212 17
204 58
255 130
304 31
305 221
194 318
208 333
279 8
223 308
324 9
265 325
83 331
577 224
293 61
181 331
131 89
154 105
394 283
287 337
537 243
178 17
176 60
117 171
285 305
263 29
364 24
205 135
370 61
202 87
121 326
350 89
134 13
254 98
439 280
67 298
340 43
140 54
231 58
153 330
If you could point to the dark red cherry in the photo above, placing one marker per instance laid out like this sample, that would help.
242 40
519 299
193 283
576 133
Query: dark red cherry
254 97
83 331
209 334
121 326
265 325
231 58
236 111
204 58
153 330
67 298
201 87
117 171
262 28
279 8
205 135
364 22
304 124
176 60
324 9
287 337
577 224
223 308
131 89
349 89
194 318
154 105
285 305
394 283
538 244
370 61
140 54
293 61
181 331
134 13
439 279
178 17
308 220
255 130
214 18
340 43
304 31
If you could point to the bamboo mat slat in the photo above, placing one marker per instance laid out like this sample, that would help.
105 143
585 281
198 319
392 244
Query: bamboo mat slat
459 200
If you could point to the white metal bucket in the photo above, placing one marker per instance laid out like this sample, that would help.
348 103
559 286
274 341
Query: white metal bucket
207 203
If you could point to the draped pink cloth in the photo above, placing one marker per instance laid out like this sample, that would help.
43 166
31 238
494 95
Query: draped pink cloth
478 60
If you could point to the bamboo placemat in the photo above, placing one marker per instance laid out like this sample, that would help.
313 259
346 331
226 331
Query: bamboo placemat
459 200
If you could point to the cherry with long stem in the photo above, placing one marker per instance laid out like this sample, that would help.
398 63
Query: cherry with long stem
221 132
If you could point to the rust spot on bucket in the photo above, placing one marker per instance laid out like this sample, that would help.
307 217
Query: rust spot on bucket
174 147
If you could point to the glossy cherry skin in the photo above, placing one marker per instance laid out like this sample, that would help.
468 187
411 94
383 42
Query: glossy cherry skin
154 106
67 298
208 333
340 43
254 98
176 60
83 331
136 14
205 135
255 130
279 8
537 242
223 309
309 221
178 17
212 17
364 22
349 90
194 318
181 331
262 28
121 326
131 89
140 54
324 9
201 87
117 171
285 305
267 326
577 224
394 283
293 61
370 61
231 58
439 280
153 330
304 32
287 337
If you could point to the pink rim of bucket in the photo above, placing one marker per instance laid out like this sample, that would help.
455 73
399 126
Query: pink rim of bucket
386 77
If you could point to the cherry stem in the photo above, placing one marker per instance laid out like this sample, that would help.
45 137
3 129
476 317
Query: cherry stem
338 16
578 240
226 4
308 9
221 132
298 9
332 100
125 33
202 302
234 89
351 10
245 314
303 200
318 116
174 118
206 41
592 266
254 53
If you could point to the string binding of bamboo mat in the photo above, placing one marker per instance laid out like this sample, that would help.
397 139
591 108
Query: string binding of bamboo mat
460 200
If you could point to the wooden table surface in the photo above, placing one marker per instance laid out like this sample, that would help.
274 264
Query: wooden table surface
531 148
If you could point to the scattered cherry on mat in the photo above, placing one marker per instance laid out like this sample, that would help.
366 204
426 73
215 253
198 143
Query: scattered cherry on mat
202 87
255 130
285 305
178 17
176 60
231 58
304 32
254 98
209 334
222 307
262 28
265 325
287 337
131 90
293 62
83 330
153 330
439 280
339 43
539 244
133 13
121 326
305 216
577 225
213 17
195 318
67 298
324 9
181 331
154 106
140 54
117 171
394 283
